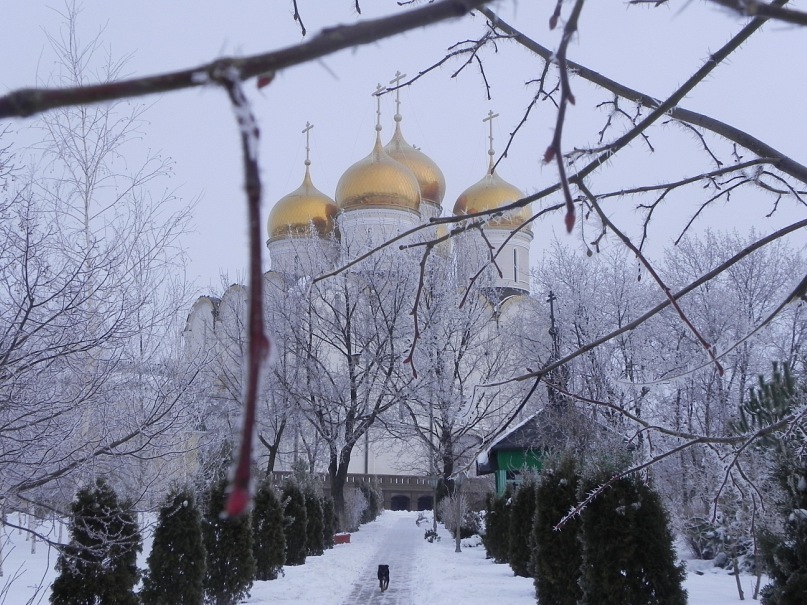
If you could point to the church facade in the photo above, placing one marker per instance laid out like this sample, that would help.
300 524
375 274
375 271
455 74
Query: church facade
396 190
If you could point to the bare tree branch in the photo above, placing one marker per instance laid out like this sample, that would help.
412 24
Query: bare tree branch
27 102
752 8
782 161
238 499
799 292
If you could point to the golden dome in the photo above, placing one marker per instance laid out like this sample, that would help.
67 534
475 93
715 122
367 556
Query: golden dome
378 181
294 214
428 174
493 192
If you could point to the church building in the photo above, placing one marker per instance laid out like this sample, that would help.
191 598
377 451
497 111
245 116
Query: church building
394 190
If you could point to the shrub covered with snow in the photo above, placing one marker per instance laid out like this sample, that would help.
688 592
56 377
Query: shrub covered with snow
268 539
628 553
355 505
558 554
521 523
228 542
99 565
375 501
296 524
177 562
497 527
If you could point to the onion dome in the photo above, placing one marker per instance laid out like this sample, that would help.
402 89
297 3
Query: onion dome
493 192
378 181
489 193
430 178
294 214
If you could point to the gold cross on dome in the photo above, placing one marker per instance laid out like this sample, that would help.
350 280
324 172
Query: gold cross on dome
489 120
379 90
397 81
306 130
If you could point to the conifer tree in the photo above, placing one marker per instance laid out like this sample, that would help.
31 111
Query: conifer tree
177 562
521 522
497 527
228 542
373 498
628 554
295 524
268 540
785 556
557 554
328 522
99 565
315 540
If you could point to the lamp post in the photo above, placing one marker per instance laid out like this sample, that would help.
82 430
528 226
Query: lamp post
458 481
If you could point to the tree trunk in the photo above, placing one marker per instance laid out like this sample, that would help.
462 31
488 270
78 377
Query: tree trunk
337 470
273 449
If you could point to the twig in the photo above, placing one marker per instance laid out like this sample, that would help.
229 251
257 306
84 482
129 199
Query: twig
554 151
801 288
664 288
672 109
238 499
27 102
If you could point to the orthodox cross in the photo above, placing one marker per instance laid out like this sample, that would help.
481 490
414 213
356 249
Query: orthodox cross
489 120
379 90
306 130
553 331
397 81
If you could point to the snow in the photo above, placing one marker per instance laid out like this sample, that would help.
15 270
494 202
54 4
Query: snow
438 575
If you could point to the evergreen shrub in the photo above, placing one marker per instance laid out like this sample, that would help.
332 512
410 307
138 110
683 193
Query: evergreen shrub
177 562
522 520
558 554
328 521
315 539
228 543
295 525
497 527
784 551
628 553
99 564
268 539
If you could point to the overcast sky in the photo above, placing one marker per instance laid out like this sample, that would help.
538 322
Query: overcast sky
651 49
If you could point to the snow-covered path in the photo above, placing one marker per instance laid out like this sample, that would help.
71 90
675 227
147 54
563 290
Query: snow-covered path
421 573
398 550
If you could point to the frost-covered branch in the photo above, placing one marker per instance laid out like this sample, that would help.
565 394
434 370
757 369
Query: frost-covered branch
27 102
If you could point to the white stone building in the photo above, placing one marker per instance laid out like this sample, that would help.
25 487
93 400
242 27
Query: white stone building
396 188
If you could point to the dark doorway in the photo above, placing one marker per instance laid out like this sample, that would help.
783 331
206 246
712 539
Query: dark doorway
399 503
425 503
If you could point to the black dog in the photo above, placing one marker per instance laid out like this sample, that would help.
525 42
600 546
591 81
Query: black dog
383 577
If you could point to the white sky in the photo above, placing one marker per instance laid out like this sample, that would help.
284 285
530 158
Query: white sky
760 89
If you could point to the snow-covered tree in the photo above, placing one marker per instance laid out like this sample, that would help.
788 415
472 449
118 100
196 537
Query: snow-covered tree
90 378
228 543
177 561
268 538
557 553
296 523
348 338
628 552
465 339
99 564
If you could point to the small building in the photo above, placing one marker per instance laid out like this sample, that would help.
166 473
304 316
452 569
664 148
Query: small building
524 448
